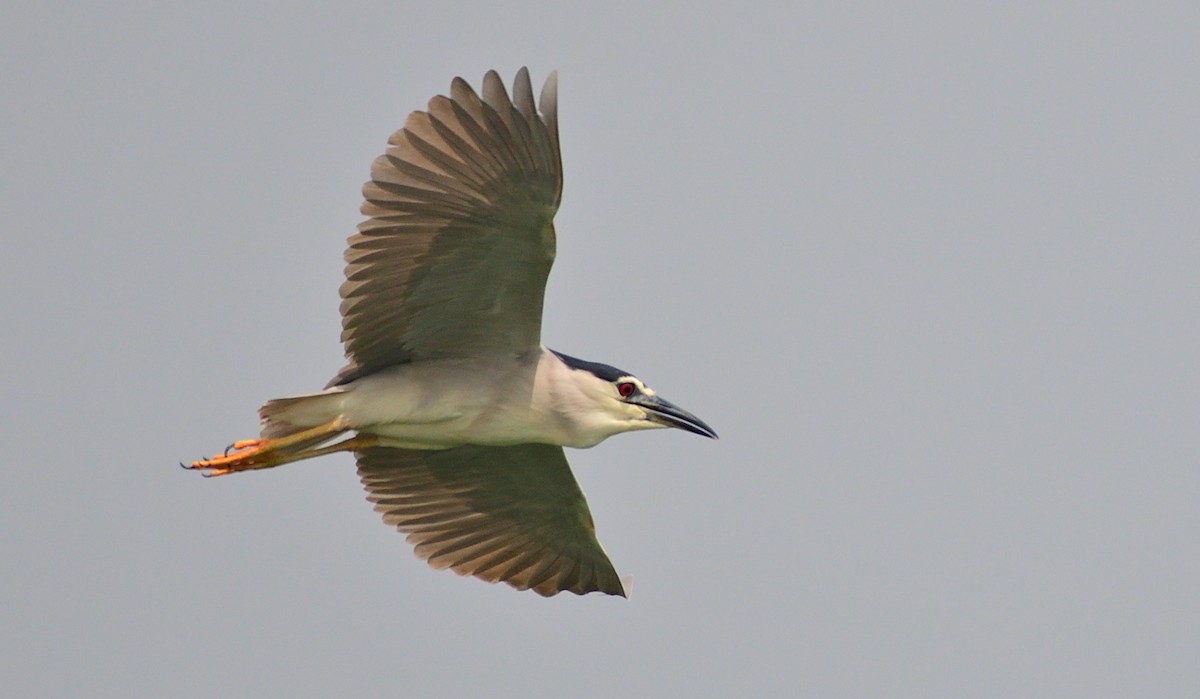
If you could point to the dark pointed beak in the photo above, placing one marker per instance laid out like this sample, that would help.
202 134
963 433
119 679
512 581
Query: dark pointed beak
664 412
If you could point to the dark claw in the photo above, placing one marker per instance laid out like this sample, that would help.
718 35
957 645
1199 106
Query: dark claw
229 448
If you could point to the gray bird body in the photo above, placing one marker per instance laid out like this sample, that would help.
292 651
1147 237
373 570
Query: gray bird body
459 414
437 404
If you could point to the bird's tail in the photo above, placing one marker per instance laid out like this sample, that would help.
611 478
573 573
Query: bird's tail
281 417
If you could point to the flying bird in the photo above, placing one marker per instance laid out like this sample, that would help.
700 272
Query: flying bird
456 412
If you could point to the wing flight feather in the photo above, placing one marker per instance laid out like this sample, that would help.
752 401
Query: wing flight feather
453 257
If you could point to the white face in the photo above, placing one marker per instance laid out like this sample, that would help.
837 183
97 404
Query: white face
603 408
581 408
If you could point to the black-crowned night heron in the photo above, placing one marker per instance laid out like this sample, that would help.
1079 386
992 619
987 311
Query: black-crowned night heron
459 415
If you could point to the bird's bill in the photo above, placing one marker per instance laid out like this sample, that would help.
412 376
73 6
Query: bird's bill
666 413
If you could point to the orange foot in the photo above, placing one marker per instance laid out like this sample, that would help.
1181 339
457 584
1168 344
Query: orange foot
250 454
243 455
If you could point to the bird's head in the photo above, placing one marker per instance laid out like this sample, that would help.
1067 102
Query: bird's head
617 401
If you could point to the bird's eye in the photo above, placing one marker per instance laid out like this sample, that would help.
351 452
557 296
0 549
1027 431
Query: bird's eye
626 388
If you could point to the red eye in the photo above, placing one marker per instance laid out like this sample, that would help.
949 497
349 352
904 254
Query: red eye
626 389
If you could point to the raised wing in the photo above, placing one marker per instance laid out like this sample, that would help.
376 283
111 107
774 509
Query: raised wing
512 514
453 258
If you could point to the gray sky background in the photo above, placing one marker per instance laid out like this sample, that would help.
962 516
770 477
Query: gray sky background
931 272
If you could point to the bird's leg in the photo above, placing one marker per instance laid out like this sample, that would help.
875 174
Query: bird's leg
253 454
355 443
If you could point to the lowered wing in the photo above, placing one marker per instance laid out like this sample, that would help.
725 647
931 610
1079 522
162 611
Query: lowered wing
503 514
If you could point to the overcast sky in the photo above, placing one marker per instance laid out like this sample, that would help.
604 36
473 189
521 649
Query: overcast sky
931 273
